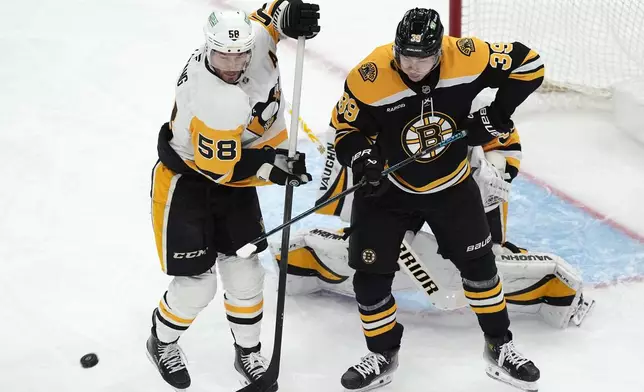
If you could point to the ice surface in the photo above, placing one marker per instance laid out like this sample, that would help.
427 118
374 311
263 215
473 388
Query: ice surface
85 87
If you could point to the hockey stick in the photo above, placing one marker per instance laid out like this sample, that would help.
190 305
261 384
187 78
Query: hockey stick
248 249
269 378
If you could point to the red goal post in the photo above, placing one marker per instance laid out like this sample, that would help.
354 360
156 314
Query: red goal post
455 17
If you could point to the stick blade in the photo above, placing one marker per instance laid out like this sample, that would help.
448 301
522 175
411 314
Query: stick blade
246 251
266 383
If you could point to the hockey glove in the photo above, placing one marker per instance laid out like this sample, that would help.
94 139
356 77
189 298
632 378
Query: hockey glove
485 125
294 18
284 170
368 165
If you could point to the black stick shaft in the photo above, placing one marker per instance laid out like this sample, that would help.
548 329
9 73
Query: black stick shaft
272 373
355 187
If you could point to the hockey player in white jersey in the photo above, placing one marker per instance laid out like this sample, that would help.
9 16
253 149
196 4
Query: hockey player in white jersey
223 139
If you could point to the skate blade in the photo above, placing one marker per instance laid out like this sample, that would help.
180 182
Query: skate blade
500 374
583 311
243 382
376 383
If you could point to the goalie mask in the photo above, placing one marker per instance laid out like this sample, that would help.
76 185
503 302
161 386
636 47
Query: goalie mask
229 43
417 48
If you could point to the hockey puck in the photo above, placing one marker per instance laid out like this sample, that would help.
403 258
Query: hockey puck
89 360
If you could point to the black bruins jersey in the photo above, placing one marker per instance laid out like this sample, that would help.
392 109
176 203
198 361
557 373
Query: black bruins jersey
381 106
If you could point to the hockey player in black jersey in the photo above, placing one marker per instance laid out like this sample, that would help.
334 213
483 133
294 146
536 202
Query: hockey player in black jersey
409 95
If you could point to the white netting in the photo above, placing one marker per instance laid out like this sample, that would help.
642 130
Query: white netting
588 46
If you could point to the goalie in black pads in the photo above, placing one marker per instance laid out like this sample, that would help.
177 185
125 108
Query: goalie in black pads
410 95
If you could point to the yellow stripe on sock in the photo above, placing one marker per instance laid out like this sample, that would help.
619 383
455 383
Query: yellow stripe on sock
378 316
380 330
171 316
244 309
490 309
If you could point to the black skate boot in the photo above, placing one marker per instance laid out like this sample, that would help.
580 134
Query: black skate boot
169 360
251 365
374 370
506 364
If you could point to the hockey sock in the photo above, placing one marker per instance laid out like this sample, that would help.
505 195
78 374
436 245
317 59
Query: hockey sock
487 300
244 317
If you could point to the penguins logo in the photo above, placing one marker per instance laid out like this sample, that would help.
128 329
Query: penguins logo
426 131
265 113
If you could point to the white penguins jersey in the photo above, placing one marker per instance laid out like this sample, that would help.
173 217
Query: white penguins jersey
213 121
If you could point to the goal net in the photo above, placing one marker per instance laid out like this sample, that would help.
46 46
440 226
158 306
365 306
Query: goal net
589 47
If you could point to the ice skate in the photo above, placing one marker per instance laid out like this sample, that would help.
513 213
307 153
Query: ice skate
374 371
170 361
506 364
251 365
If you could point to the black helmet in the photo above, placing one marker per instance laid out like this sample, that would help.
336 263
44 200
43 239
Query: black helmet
419 33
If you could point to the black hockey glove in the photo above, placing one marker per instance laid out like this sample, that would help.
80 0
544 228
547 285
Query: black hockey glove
368 165
485 125
294 18
284 170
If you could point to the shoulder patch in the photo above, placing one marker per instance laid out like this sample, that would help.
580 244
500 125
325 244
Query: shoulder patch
368 71
466 46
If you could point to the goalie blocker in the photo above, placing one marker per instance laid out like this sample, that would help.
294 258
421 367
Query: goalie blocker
534 283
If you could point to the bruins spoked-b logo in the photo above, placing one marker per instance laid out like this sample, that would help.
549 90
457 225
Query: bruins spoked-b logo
369 256
466 46
368 71
421 133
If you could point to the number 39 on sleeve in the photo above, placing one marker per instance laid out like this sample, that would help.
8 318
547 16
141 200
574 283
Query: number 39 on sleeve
500 55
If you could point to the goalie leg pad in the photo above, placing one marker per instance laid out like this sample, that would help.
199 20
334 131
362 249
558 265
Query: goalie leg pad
185 298
438 279
301 278
543 283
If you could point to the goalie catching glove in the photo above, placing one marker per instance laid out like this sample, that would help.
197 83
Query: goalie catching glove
489 173
284 170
